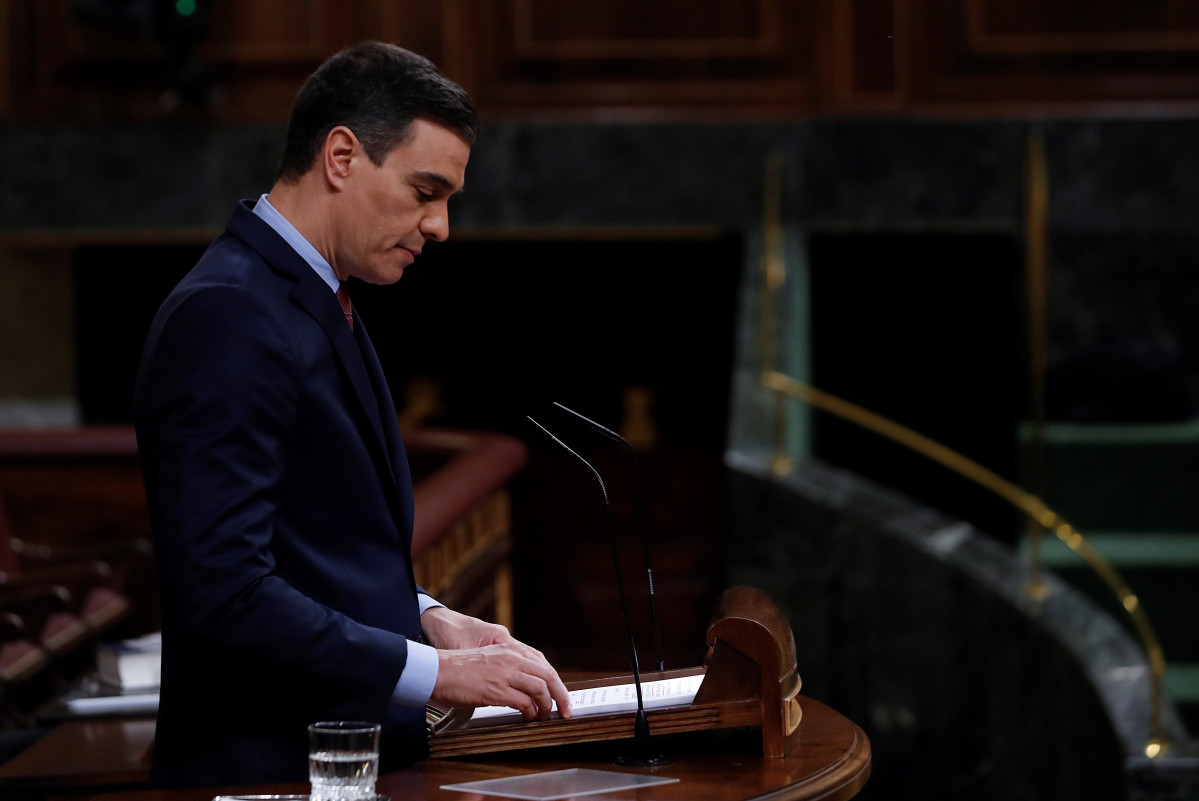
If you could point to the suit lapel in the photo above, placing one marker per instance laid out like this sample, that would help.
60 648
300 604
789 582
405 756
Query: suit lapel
314 296
387 413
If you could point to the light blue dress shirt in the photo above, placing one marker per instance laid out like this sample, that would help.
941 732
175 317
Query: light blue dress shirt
420 672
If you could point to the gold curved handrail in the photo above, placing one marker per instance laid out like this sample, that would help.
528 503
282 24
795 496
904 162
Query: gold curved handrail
1038 512
1030 504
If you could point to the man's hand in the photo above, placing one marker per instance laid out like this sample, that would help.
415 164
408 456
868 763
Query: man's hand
445 628
481 664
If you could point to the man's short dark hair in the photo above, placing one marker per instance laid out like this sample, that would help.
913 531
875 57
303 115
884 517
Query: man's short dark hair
376 90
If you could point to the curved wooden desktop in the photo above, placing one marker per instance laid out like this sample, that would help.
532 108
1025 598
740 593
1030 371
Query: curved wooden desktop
747 734
829 760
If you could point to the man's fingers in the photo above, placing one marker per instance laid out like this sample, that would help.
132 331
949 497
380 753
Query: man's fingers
560 694
554 688
536 701
510 674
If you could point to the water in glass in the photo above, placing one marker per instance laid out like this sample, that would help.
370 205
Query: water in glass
343 775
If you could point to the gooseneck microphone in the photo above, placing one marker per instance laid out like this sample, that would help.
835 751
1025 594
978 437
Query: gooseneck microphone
642 520
641 724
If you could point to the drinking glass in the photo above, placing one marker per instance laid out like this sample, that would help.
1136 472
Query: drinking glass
343 760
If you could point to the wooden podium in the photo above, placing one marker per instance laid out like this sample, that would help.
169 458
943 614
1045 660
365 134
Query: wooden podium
749 681
741 738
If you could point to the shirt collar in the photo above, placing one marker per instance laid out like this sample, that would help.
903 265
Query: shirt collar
271 216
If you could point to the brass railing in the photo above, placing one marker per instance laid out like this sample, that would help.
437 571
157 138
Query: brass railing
1039 515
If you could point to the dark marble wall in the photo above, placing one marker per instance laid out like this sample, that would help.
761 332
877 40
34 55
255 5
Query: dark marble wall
1105 175
1123 217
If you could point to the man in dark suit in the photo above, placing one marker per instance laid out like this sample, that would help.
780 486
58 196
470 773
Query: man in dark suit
278 485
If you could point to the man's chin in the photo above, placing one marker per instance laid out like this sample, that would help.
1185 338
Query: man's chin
385 274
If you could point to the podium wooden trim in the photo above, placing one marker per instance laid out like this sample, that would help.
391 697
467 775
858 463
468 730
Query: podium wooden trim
750 681
830 761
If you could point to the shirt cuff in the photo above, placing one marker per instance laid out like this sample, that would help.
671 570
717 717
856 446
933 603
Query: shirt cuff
418 678
426 602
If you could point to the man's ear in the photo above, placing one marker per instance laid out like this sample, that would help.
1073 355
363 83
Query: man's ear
338 155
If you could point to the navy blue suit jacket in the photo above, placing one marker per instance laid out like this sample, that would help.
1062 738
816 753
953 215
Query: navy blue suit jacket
281 505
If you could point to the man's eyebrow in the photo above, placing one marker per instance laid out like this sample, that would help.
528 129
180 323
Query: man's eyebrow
439 179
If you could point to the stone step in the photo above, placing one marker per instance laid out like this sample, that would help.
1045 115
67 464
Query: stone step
1140 549
1180 683
1119 477
1161 568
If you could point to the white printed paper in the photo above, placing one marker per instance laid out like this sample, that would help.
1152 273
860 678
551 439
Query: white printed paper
614 698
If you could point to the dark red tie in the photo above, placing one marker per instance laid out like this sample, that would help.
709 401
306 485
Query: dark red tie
343 297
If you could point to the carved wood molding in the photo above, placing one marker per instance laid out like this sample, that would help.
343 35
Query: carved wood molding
872 43
1158 35
537 55
762 41
670 58
1029 52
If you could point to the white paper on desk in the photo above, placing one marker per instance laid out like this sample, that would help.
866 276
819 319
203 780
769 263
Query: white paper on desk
613 698
569 783
114 704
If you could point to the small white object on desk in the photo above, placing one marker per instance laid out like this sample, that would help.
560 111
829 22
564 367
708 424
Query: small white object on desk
569 783
130 664
132 704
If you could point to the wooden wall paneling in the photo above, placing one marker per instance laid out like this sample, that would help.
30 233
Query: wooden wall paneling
7 55
261 52
258 54
1029 51
108 72
667 58
78 70
459 51
19 55
282 65
871 53
424 26
546 55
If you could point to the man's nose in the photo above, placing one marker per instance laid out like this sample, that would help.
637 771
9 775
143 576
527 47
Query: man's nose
436 227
